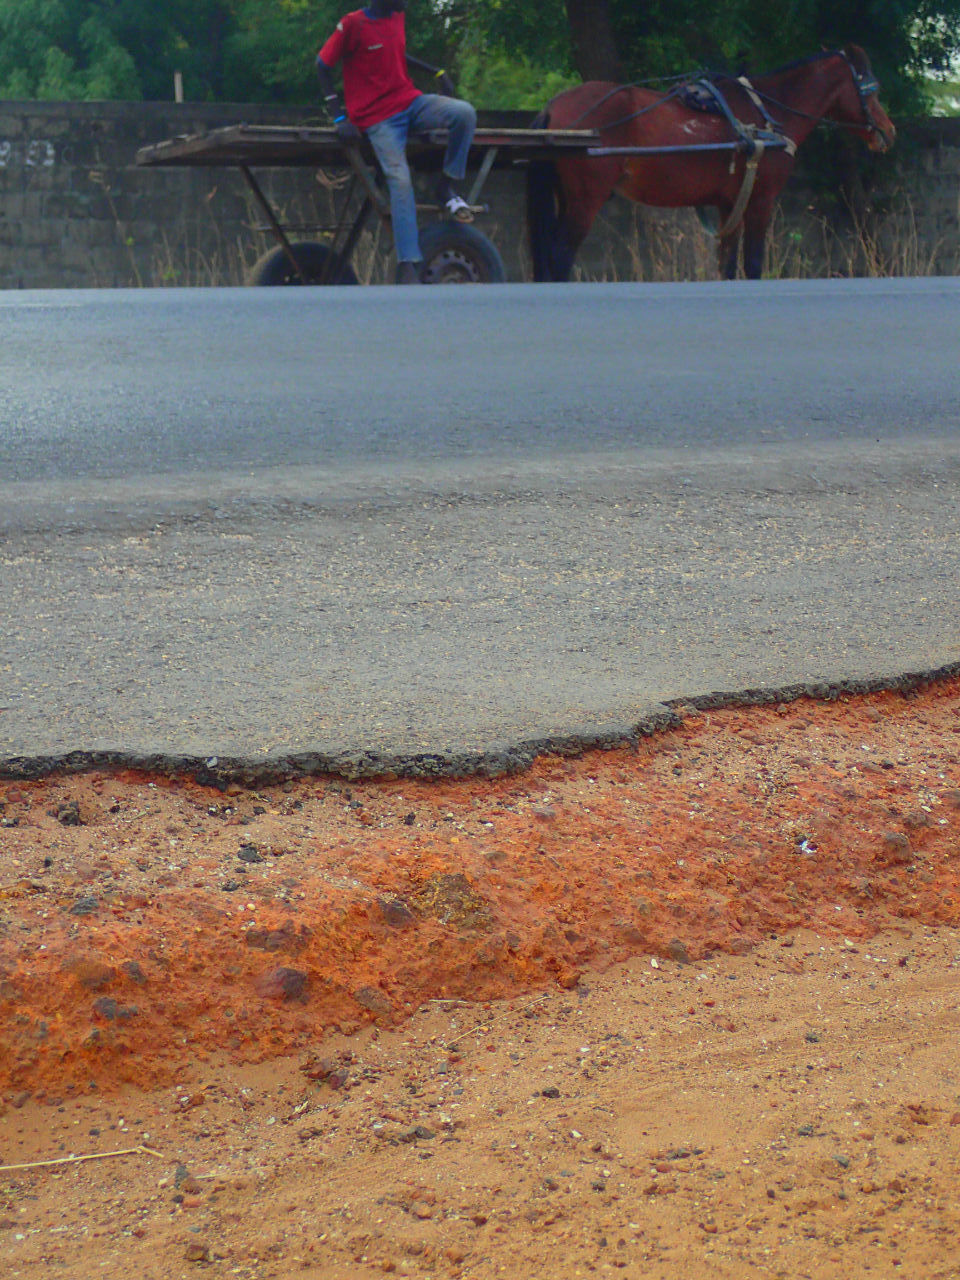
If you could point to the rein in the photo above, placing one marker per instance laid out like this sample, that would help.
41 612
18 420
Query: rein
623 88
865 86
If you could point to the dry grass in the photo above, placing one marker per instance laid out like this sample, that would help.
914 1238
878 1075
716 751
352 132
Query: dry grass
640 243
887 242
628 242
196 253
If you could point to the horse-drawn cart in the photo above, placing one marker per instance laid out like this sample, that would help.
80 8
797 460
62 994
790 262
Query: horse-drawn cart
453 253
728 143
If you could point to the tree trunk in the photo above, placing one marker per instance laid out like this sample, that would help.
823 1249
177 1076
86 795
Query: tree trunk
591 35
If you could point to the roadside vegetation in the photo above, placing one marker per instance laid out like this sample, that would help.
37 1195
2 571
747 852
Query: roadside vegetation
502 53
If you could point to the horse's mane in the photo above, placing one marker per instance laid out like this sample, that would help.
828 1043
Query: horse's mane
852 52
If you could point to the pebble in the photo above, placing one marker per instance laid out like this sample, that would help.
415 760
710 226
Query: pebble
250 853
68 814
286 938
374 1000
84 907
134 972
417 1133
897 849
395 911
319 1068
282 983
107 1007
90 973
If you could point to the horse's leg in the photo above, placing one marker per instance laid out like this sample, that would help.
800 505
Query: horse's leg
543 223
755 222
728 248
585 187
555 230
754 243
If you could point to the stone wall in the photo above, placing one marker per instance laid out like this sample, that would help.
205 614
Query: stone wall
76 212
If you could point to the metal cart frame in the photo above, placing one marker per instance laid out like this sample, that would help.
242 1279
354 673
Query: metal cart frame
453 252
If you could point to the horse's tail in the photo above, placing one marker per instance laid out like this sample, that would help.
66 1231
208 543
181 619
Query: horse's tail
552 257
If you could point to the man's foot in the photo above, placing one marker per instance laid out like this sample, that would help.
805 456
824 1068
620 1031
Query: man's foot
408 272
453 203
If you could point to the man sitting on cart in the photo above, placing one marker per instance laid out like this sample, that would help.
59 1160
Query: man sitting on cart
383 102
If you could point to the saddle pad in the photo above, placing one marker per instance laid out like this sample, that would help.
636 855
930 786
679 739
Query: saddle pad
699 98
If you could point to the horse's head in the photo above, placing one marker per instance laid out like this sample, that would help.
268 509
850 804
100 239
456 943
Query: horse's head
858 106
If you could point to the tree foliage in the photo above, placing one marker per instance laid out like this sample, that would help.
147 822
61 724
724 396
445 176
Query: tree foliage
907 39
258 49
504 53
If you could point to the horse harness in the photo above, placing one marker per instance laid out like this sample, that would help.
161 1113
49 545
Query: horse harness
703 95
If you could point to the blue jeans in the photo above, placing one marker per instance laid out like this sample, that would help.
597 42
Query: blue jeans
389 141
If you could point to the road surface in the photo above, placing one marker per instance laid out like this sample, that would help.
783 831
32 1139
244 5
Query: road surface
442 528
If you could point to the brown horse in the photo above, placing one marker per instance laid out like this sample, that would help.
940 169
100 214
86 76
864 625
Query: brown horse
780 109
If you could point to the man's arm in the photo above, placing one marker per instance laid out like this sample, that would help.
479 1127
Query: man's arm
331 99
446 84
347 132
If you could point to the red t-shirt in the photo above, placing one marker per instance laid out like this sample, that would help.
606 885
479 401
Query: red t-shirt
375 80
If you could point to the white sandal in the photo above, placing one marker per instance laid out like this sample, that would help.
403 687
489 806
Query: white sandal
458 209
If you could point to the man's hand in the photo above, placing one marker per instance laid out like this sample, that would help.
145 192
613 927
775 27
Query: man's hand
347 132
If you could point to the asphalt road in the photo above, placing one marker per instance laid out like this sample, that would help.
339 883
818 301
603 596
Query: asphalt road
438 529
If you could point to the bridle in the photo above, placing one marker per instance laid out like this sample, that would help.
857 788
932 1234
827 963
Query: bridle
865 85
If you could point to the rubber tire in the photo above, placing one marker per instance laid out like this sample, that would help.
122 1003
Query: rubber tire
274 267
457 254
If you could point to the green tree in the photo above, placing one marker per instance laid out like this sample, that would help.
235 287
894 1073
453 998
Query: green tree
98 48
506 53
906 39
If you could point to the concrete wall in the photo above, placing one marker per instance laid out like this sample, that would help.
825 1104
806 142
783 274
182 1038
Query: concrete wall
74 211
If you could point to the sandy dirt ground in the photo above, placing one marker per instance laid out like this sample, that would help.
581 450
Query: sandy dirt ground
686 1010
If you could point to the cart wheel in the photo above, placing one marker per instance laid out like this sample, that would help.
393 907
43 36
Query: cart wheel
275 268
455 254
